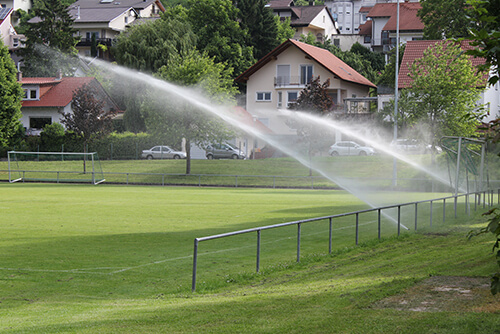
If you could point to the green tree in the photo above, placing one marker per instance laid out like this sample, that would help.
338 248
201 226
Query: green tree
313 99
486 35
179 119
220 34
285 30
444 92
11 95
88 119
388 76
444 18
50 40
149 46
259 20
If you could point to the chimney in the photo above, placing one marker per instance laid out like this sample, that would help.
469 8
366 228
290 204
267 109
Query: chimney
78 12
19 76
59 75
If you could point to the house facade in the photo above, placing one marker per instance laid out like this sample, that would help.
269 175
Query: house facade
316 20
277 79
46 98
414 50
7 32
105 19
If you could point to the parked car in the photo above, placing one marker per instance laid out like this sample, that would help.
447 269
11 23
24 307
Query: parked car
162 152
223 151
349 148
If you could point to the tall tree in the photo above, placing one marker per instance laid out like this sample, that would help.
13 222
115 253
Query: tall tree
220 34
486 35
11 95
444 18
179 119
444 92
259 20
147 47
50 40
312 99
88 119
285 30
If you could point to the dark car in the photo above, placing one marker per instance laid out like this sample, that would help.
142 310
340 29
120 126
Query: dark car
223 151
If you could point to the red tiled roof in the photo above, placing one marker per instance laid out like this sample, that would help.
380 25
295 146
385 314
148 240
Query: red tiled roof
365 29
365 9
322 56
58 93
415 50
243 116
408 18
280 3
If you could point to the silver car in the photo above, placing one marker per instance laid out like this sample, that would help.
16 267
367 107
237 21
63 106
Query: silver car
349 148
162 152
223 151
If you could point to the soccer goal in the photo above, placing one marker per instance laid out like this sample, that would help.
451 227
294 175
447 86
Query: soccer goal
55 167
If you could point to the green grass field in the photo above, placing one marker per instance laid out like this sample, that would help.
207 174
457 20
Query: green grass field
118 259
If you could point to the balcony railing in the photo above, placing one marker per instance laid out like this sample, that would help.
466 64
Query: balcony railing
289 81
88 41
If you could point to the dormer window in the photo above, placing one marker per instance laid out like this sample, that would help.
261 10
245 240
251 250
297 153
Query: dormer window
31 93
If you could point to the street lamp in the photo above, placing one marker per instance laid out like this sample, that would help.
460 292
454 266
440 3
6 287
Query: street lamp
394 164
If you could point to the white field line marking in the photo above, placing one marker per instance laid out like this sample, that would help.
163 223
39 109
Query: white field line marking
86 270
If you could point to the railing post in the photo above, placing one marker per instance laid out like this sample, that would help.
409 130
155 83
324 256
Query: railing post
399 220
258 250
484 199
357 228
330 229
456 204
416 215
379 226
431 214
298 241
236 181
195 263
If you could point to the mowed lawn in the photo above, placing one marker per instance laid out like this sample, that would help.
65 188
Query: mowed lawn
118 259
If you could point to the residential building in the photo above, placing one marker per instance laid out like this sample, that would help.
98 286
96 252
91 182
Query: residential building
7 32
46 98
277 79
17 4
414 50
105 19
316 20
384 26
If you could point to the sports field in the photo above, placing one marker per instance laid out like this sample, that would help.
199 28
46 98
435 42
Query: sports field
77 256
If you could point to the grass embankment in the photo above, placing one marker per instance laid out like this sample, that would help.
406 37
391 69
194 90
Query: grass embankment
114 259
374 171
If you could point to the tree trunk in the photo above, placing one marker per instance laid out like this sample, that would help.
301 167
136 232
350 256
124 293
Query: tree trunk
188 157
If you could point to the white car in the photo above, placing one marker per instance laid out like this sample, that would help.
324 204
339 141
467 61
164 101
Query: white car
349 148
162 152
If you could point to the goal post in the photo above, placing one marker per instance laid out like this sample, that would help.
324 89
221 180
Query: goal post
56 167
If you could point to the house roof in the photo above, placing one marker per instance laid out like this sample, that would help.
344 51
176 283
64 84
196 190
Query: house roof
59 93
304 15
408 18
415 50
280 3
365 29
4 13
96 14
324 57
243 116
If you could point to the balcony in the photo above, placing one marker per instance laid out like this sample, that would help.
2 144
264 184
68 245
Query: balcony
88 41
289 81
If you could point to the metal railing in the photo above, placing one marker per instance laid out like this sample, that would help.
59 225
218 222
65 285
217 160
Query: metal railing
487 196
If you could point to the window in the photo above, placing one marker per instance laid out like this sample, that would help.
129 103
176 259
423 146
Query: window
292 97
368 39
280 99
263 96
39 122
30 94
306 73
89 34
282 75
336 41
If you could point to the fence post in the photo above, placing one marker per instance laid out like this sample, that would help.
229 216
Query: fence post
236 181
330 237
416 215
357 228
431 214
258 250
298 241
379 225
399 220
195 263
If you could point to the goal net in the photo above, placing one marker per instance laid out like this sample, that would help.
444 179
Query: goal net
55 167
